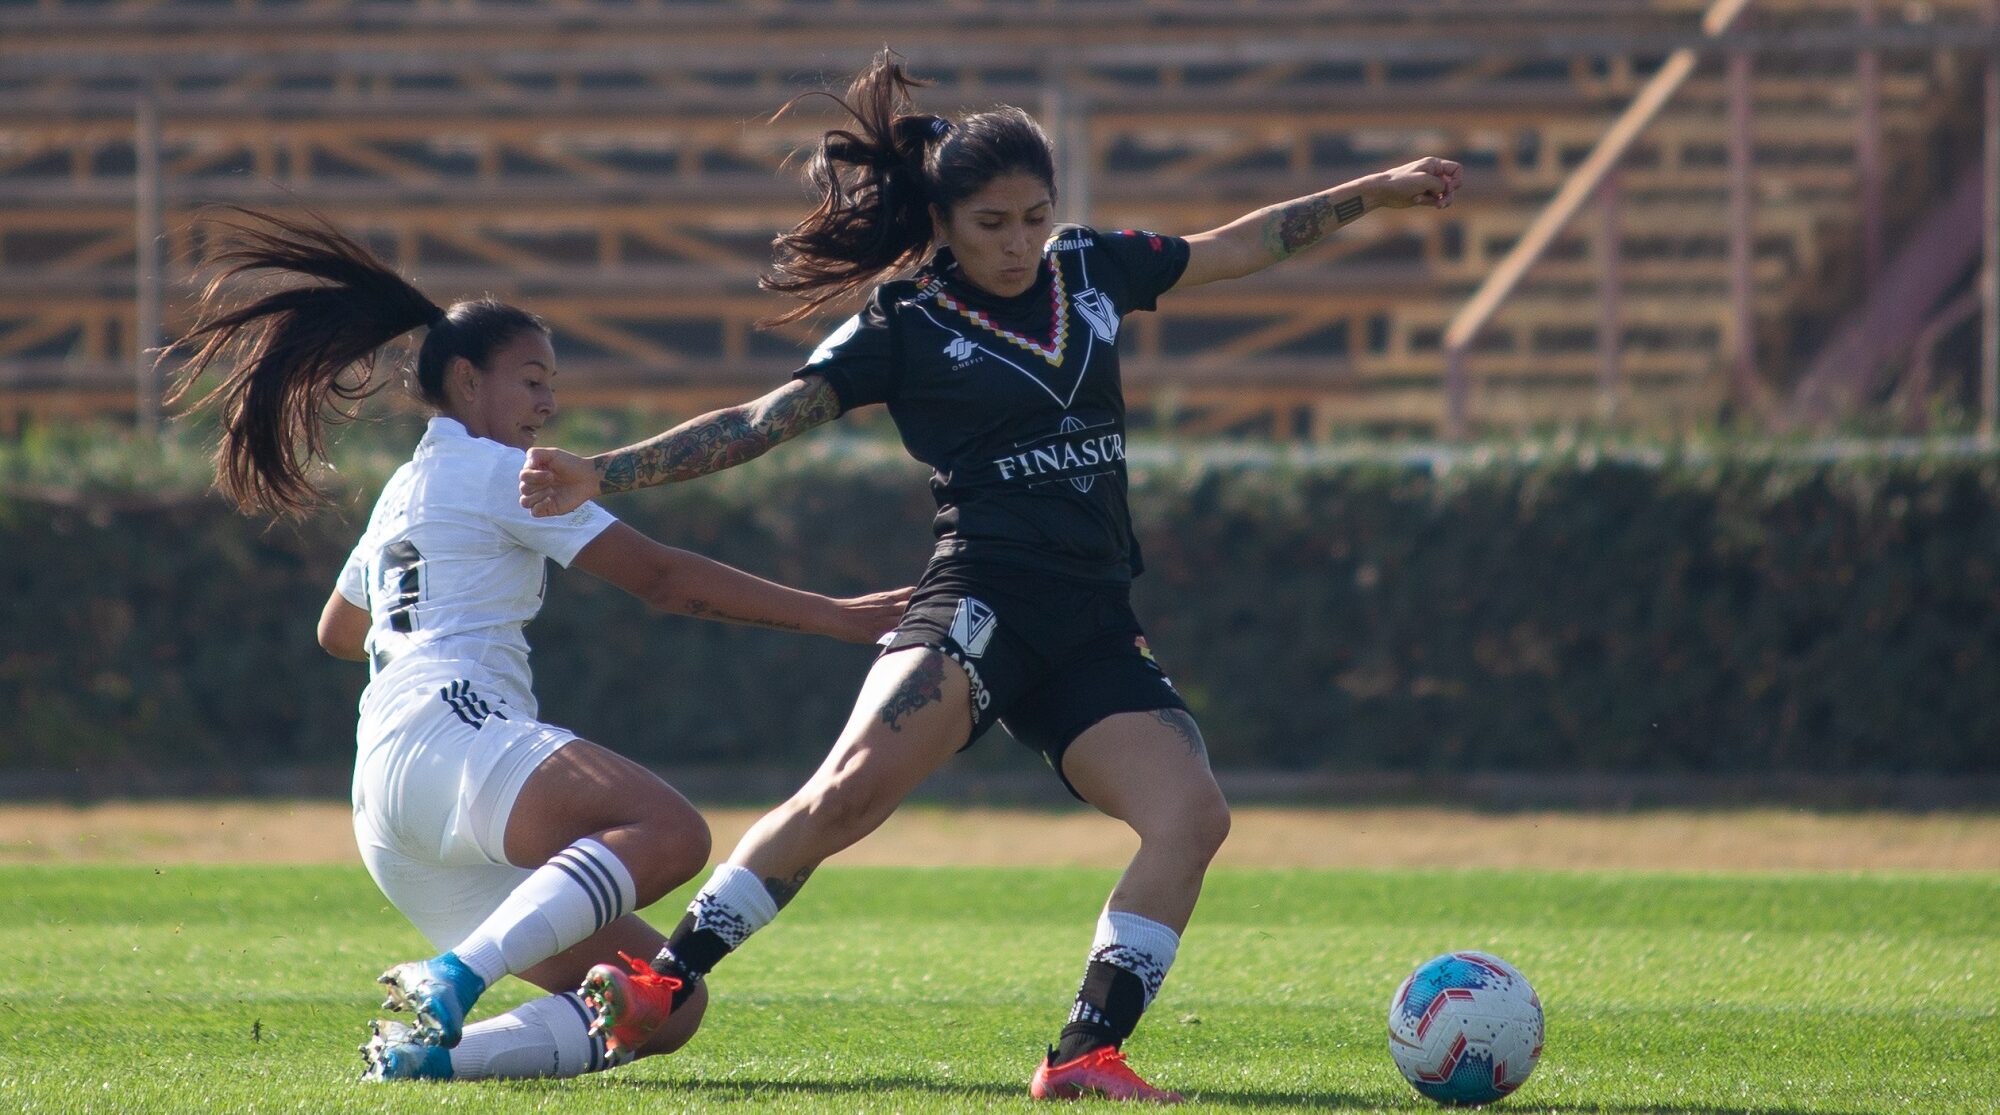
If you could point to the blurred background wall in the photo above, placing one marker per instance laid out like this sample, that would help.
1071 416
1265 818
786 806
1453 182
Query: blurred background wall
1387 534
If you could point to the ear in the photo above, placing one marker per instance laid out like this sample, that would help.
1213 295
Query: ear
940 225
465 374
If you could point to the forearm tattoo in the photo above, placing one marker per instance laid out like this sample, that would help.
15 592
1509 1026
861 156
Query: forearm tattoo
1182 724
782 891
1300 224
721 439
702 609
924 686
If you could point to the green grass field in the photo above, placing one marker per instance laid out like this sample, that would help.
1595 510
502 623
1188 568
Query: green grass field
246 989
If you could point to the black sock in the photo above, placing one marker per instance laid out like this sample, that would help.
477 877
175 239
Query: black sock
1107 1010
690 954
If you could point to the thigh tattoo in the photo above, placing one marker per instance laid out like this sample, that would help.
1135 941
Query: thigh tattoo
1183 726
924 686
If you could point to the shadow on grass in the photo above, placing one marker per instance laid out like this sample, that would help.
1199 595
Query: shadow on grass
1339 1101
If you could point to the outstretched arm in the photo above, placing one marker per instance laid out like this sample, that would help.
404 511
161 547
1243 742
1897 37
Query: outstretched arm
688 584
1257 240
554 481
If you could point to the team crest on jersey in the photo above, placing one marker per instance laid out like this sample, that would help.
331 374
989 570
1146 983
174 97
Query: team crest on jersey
972 626
1099 312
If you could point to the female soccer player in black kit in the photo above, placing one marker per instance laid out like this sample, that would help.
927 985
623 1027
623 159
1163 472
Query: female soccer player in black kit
997 359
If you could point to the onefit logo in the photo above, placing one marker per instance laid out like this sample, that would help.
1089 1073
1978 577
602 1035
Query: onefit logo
960 349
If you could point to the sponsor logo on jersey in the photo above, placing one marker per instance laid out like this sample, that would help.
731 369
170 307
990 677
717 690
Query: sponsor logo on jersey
972 626
1099 312
1071 242
960 348
1065 454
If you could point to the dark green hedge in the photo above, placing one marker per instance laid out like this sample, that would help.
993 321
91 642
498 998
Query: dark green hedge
1740 615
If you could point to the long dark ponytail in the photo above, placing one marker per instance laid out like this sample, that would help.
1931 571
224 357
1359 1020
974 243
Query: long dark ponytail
878 181
303 356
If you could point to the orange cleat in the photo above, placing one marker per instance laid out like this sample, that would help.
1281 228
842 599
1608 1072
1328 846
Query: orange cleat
629 1006
1101 1073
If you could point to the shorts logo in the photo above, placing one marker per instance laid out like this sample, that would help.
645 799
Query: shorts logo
467 704
1146 652
972 626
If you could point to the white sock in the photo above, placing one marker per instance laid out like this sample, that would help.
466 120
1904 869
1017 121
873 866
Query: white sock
733 904
1137 944
542 1037
578 892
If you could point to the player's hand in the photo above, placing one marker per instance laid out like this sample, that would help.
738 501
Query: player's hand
556 481
863 619
1428 181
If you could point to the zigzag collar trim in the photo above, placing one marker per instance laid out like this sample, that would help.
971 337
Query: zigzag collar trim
1058 326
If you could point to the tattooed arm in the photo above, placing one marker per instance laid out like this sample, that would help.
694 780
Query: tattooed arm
555 481
1257 240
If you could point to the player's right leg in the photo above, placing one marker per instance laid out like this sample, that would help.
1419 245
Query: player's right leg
912 715
599 837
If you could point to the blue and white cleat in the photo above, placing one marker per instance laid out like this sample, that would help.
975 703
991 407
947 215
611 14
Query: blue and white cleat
393 1052
439 992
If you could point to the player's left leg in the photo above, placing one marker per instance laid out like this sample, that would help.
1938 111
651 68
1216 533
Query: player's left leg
1150 770
602 835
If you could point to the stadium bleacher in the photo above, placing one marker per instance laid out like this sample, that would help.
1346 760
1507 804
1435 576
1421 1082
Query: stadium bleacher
608 163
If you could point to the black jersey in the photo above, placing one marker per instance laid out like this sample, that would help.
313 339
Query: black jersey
1014 403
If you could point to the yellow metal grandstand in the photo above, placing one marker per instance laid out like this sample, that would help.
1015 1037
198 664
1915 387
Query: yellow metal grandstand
609 163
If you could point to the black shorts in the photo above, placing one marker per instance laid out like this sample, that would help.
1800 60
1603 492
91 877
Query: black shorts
1046 656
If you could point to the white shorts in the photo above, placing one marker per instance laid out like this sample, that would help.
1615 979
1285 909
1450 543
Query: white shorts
435 779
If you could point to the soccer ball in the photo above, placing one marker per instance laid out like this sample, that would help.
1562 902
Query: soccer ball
1465 1028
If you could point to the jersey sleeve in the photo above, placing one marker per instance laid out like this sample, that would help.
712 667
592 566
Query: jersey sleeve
353 582
858 358
559 537
1150 263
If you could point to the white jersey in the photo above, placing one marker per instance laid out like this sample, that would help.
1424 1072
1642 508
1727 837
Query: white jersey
451 569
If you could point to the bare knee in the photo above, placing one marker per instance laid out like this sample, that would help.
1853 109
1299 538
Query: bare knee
1195 825
665 850
680 1026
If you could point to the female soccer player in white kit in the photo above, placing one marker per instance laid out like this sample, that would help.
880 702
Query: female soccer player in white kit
510 843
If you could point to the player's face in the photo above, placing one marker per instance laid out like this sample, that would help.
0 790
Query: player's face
997 233
515 396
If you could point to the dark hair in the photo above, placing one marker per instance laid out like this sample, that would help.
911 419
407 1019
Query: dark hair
877 182
303 355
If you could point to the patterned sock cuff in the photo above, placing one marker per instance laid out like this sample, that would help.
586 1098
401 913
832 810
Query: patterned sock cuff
1137 944
733 904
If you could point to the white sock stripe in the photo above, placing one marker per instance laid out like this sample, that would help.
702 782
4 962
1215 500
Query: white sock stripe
596 1040
616 874
590 888
614 897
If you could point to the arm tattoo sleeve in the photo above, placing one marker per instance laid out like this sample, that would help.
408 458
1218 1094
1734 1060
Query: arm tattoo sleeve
1296 225
720 439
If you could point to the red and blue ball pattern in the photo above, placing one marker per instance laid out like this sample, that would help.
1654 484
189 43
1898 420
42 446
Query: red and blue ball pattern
1465 1028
